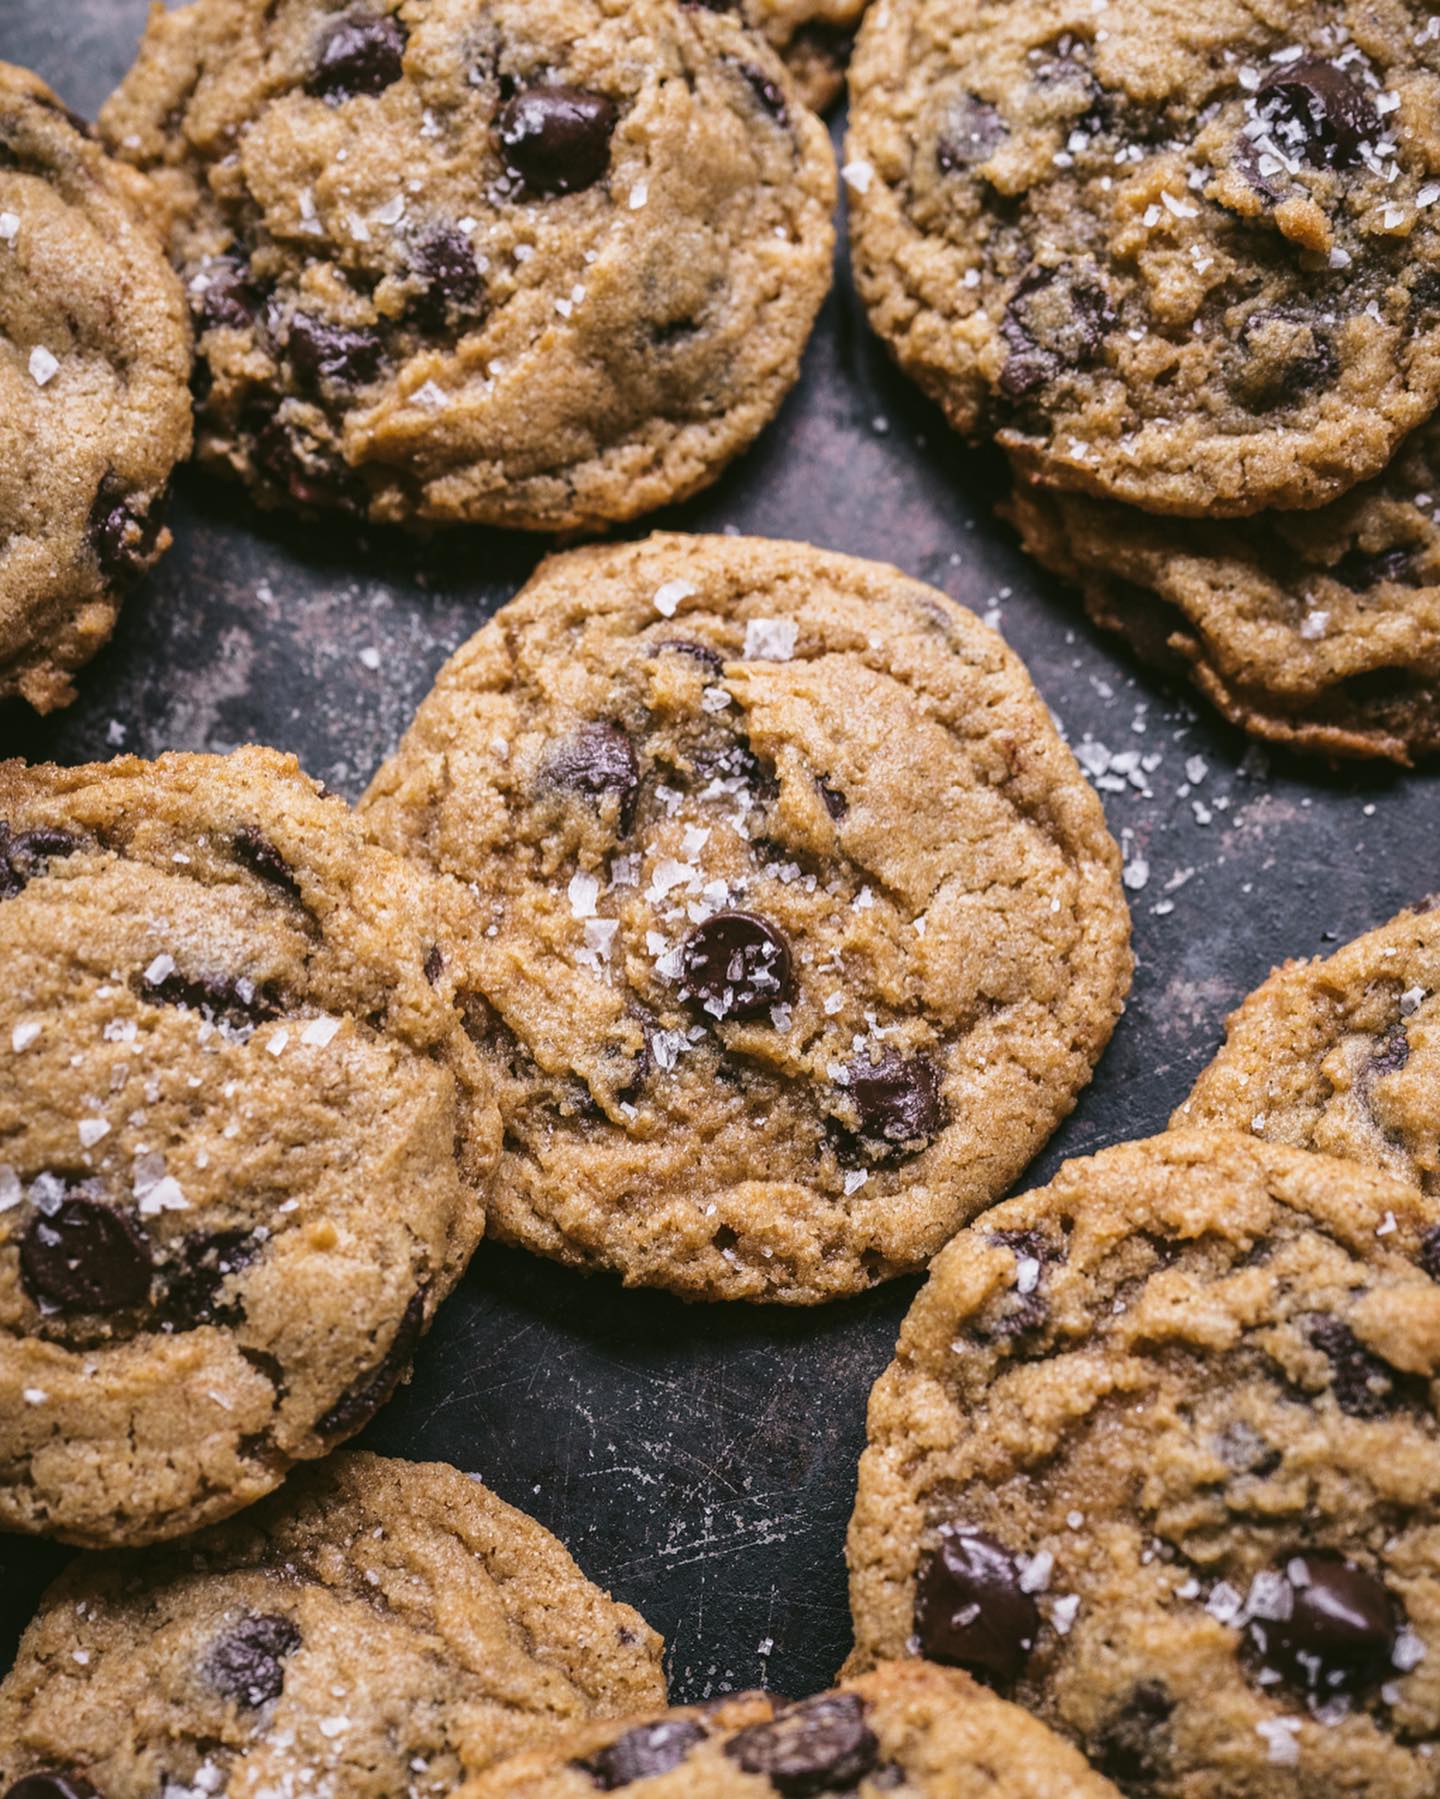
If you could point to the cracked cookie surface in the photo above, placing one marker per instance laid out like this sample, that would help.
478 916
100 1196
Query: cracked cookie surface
1185 258
1340 1055
908 1728
94 390
380 1627
796 928
243 1141
482 260
1158 1458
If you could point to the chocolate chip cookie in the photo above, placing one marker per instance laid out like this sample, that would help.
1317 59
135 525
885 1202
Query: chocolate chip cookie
482 260
94 395
1320 629
908 1728
795 927
234 1087
1340 1055
1158 1457
379 1628
1188 259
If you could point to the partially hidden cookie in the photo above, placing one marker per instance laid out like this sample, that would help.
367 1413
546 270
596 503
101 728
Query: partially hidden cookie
482 260
1158 1458
1340 1054
379 1628
94 390
1320 630
909 1728
795 927
243 1142
1186 259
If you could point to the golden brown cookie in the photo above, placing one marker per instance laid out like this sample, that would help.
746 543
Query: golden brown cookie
1158 1457
796 929
482 260
379 1628
94 390
243 1142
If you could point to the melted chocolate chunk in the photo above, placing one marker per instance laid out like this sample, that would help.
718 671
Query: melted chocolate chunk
766 92
1316 112
25 855
836 803
324 354
1360 569
123 535
362 53
736 965
1056 320
229 296
643 1753
821 1745
1017 1314
897 1100
970 1610
192 1282
1133 1747
361 1401
1283 357
50 1783
1430 1253
1363 1385
84 1256
309 474
971 133
238 1002
451 288
556 140
263 860
247 1664
713 661
598 759
1340 1630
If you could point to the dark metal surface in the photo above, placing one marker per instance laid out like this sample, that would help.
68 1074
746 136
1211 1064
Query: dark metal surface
700 1461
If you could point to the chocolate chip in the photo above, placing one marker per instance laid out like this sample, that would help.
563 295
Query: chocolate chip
1363 1385
50 1783
451 288
1132 1745
309 474
361 1401
229 296
1056 319
970 133
1360 569
233 1000
1341 1629
362 54
556 140
1430 1252
598 759
1013 1313
322 353
970 1610
766 91
247 1664
643 1753
124 534
1283 355
821 1745
434 963
85 1256
24 855
261 857
192 1282
897 1100
836 803
713 661
1317 112
736 965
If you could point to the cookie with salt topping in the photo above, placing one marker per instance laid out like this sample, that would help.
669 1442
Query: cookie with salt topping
795 927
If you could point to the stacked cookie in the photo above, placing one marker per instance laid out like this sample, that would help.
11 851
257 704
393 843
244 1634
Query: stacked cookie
1184 270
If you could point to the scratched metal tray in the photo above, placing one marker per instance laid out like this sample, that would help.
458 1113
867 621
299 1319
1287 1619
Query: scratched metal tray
701 1461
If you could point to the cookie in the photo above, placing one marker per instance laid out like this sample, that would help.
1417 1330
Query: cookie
1186 259
795 927
234 1087
1158 1457
94 394
379 1628
1319 630
1340 1055
813 38
909 1728
482 260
